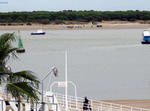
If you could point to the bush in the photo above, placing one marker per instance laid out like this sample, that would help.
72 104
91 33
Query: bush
44 21
59 22
9 24
3 24
28 23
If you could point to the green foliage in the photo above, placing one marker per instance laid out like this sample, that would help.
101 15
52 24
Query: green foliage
69 15
6 49
28 23
59 22
44 21
22 84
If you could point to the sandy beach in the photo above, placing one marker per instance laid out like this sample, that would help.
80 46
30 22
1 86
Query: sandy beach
134 103
77 26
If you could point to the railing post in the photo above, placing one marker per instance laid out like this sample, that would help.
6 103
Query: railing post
110 107
2 105
76 102
64 100
101 106
36 106
120 107
131 108
69 103
56 107
53 98
98 108
91 105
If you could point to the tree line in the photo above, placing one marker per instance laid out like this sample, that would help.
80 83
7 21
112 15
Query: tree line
47 17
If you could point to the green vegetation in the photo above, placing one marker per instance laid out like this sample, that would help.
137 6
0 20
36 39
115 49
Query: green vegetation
45 17
22 84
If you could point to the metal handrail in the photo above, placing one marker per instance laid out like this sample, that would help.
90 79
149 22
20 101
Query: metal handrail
94 104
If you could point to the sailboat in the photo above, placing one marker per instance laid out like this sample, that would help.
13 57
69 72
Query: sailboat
20 44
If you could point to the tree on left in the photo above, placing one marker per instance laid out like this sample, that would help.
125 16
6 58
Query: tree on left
21 85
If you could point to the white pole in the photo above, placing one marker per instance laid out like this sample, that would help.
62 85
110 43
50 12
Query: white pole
66 81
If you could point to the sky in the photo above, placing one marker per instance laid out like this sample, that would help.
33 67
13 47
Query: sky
60 5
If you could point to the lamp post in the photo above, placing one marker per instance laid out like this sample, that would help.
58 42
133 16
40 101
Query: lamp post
55 71
66 81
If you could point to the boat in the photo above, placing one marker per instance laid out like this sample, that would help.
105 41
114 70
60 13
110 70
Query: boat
20 48
146 37
39 32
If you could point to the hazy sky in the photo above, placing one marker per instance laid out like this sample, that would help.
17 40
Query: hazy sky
59 5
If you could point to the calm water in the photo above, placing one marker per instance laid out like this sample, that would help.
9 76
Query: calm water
104 64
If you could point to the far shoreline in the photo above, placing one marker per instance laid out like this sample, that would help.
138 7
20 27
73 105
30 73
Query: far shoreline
98 26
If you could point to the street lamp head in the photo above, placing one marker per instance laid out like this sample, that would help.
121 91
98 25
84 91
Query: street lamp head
55 71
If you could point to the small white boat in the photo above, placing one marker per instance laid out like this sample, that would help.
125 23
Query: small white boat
146 37
39 32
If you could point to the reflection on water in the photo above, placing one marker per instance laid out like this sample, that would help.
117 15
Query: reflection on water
104 64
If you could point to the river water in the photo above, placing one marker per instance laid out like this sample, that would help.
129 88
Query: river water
103 64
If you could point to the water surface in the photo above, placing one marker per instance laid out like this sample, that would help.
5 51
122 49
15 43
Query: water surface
104 64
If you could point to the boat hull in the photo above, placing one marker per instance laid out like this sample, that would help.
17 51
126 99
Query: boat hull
20 50
43 33
146 39
145 42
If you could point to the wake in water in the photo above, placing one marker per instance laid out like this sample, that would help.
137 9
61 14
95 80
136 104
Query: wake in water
85 49
117 47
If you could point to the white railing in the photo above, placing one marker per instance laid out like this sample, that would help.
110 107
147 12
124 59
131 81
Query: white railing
95 105
74 104
27 106
50 103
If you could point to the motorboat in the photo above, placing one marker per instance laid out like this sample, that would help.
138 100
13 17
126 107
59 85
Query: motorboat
146 37
39 32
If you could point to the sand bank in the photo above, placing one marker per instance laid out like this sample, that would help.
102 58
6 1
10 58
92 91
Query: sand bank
134 103
76 27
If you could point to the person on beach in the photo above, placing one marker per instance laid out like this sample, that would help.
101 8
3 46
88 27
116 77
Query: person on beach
86 104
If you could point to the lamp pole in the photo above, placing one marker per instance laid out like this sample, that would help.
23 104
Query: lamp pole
66 82
55 71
